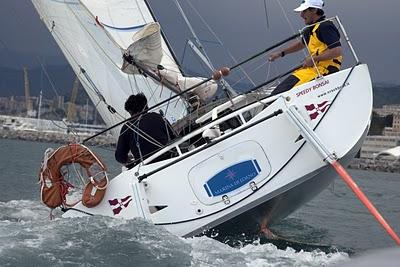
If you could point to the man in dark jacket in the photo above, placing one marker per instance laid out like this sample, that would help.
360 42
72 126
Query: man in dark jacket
143 135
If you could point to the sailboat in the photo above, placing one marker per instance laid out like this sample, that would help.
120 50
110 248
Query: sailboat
258 158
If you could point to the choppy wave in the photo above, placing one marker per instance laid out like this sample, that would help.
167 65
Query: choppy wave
209 252
29 238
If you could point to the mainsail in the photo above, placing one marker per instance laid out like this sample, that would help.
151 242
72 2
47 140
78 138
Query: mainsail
94 36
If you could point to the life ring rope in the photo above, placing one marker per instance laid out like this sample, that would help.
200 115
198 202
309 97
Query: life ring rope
55 185
96 184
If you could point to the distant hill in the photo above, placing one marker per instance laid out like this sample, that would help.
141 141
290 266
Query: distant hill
385 94
12 83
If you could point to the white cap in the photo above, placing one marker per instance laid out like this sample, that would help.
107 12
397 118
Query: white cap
309 3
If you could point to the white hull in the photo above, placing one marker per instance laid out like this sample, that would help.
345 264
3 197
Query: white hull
261 167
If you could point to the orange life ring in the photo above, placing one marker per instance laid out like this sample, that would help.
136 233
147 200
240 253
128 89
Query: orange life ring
54 187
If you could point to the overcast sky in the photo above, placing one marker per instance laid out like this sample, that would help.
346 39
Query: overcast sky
372 26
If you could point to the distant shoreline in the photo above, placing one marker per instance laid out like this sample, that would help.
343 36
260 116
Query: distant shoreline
54 137
379 165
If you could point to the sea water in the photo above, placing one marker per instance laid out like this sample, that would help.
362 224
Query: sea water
332 228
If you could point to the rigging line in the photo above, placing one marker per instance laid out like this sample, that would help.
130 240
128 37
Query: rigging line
167 53
184 51
143 134
152 92
196 38
149 88
120 115
59 126
131 86
166 109
266 14
63 122
109 13
241 68
90 85
140 10
79 173
197 45
276 70
269 74
93 85
268 71
65 47
200 83
132 125
169 68
97 23
286 17
130 82
254 69
165 105
47 75
219 40
94 39
136 83
113 40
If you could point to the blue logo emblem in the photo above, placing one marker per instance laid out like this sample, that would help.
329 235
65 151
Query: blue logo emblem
232 178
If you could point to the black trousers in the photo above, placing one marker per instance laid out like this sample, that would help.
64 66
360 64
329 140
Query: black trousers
286 85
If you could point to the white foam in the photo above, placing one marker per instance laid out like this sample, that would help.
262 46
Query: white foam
23 210
209 252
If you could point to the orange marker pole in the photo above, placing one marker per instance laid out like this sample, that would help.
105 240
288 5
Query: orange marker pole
363 198
319 147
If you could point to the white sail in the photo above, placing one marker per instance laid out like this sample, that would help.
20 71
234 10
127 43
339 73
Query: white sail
124 19
140 36
93 36
146 48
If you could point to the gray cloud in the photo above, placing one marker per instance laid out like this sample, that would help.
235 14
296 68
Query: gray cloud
241 25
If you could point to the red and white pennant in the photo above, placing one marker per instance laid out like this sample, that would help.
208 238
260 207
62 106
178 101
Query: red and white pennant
314 110
118 204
